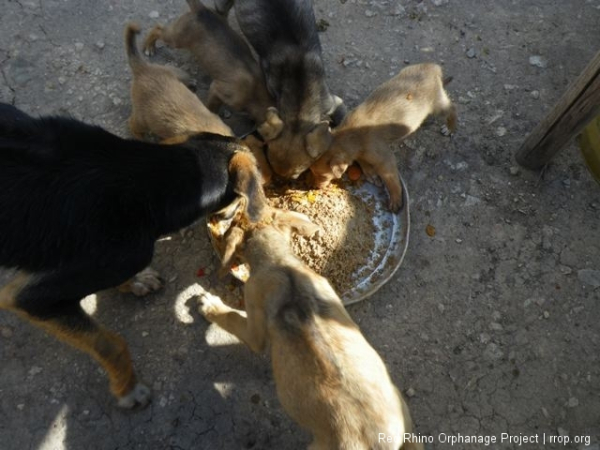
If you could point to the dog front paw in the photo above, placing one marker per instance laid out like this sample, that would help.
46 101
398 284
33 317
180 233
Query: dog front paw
210 306
140 396
396 203
145 282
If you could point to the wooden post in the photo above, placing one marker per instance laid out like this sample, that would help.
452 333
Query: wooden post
579 105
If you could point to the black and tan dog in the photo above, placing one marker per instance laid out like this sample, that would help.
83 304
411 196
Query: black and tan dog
328 377
81 210
285 37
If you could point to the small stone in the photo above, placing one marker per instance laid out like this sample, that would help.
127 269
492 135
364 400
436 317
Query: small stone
573 402
398 10
545 413
62 80
471 53
496 326
78 46
565 270
515 170
458 240
484 338
471 200
116 101
538 61
100 45
370 13
410 392
500 131
510 87
145 334
154 14
546 315
589 276
535 94
493 352
439 2
562 432
20 406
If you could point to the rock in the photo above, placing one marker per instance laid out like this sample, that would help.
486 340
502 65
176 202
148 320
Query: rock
573 402
538 61
589 276
370 13
493 352
78 46
500 131
515 170
439 2
471 53
100 45
398 10
535 94
154 14
471 200
510 87
410 392
565 270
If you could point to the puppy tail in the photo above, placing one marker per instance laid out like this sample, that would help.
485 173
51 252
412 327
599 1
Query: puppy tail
133 53
446 81
195 5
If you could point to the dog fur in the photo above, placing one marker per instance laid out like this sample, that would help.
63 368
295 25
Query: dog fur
161 103
393 111
237 80
328 378
82 209
284 35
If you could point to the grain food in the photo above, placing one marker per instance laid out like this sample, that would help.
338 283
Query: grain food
347 239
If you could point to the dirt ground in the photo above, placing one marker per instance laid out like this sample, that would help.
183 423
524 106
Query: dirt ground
490 327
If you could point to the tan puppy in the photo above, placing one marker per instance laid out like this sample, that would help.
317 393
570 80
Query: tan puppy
394 110
236 77
329 379
162 104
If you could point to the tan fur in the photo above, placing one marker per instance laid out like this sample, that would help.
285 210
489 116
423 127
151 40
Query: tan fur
393 111
161 104
257 147
237 80
329 379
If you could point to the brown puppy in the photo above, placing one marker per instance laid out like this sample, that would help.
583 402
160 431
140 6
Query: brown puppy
236 77
394 110
329 379
162 104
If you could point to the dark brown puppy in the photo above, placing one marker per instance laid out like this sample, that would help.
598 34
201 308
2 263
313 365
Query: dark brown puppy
236 77
284 35
81 210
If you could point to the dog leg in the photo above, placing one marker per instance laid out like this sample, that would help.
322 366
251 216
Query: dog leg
234 322
148 280
150 41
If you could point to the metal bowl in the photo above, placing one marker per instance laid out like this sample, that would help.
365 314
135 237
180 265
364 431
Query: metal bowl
391 241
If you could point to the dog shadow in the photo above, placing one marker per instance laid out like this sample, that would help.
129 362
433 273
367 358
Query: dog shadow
209 390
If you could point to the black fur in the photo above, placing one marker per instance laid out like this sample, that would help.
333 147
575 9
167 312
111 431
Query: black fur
82 208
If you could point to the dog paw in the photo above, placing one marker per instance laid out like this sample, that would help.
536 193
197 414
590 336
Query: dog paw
150 50
446 131
148 280
210 305
396 204
140 396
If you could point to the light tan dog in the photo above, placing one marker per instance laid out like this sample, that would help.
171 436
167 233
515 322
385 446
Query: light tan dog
329 379
394 110
223 55
162 104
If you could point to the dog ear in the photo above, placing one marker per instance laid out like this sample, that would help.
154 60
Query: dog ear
272 126
247 182
300 223
318 139
338 165
233 240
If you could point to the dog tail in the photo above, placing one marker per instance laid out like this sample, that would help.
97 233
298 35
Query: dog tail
133 53
446 81
195 5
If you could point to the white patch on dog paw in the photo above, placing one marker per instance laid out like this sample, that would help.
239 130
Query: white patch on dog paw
140 395
209 305
148 280
445 130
